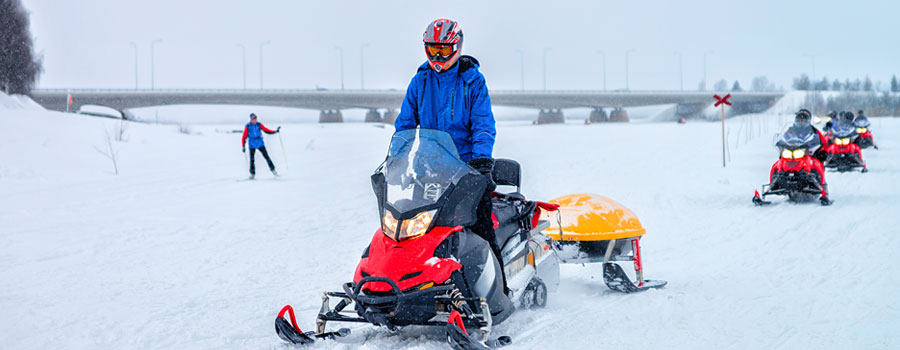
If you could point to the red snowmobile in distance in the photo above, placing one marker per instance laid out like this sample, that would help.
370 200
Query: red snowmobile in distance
843 152
796 173
864 138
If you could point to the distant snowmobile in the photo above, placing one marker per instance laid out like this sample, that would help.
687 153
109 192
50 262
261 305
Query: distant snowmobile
843 152
796 173
864 139
425 267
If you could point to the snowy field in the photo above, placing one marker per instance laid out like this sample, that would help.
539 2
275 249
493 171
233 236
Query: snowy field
179 252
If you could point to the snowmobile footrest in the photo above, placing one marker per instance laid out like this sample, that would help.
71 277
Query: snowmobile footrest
617 280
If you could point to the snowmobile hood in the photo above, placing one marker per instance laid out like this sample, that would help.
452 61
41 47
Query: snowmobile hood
591 217
861 122
408 263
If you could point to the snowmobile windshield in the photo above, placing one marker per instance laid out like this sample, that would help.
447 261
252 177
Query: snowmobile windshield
861 122
422 165
797 137
843 129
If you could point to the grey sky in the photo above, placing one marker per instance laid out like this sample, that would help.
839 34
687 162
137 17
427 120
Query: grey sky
86 42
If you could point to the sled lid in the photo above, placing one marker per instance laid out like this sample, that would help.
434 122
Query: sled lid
591 217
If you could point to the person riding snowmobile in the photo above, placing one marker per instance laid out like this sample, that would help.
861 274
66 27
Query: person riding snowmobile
829 121
253 130
802 119
448 93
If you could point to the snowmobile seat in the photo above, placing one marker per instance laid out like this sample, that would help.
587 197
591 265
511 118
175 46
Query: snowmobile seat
508 172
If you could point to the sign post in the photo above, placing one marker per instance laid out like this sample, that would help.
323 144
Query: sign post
722 101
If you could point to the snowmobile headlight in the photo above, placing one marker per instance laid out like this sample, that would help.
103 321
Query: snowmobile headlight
844 141
416 226
817 120
786 154
388 224
861 130
799 153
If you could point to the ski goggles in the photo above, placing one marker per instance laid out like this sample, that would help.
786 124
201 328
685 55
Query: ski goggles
439 49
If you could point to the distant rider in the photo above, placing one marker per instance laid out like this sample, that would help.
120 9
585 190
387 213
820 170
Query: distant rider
803 120
820 152
449 93
253 130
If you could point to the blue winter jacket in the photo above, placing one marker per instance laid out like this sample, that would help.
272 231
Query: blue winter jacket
455 101
253 133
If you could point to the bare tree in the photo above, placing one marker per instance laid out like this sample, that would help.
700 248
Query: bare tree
720 85
761 83
110 151
120 130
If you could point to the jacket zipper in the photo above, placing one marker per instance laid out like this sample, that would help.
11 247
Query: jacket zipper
452 104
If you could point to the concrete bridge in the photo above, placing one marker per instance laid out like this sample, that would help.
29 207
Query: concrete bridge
330 102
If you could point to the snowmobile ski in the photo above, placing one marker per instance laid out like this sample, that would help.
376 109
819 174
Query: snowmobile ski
461 340
291 333
758 200
617 280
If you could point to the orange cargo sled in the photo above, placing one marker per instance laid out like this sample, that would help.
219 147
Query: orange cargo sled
589 228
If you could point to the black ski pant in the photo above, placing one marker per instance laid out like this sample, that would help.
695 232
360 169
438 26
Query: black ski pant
484 226
253 159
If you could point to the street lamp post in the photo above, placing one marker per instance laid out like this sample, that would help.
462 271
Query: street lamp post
261 45
627 53
812 57
244 63
707 52
341 51
603 55
680 71
522 66
362 75
134 45
546 50
153 63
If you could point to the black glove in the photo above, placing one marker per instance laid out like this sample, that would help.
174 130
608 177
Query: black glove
485 166
277 130
243 149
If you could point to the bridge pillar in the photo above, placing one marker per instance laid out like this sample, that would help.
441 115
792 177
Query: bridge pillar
598 115
331 116
373 116
550 116
390 116
619 115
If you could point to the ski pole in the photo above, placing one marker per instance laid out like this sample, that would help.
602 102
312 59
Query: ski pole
246 161
286 166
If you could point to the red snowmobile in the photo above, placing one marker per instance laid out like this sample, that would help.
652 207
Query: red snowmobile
796 173
864 134
843 152
425 267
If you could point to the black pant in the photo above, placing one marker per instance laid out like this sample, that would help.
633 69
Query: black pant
265 155
484 227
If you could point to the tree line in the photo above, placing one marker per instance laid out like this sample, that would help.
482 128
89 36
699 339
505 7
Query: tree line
804 83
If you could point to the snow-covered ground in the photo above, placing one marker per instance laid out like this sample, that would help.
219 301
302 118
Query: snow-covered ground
179 252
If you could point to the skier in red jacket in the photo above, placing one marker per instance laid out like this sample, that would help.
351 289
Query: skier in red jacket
253 130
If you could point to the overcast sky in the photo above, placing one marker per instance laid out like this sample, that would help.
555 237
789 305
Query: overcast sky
85 43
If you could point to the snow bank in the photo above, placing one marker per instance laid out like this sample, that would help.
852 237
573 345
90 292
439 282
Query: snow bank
18 102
